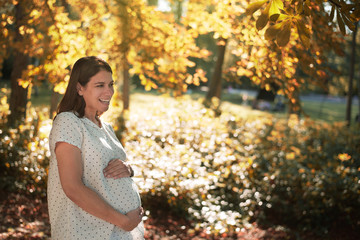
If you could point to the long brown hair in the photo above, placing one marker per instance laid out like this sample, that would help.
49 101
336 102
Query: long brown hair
82 71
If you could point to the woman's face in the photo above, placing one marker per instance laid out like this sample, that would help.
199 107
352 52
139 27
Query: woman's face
97 93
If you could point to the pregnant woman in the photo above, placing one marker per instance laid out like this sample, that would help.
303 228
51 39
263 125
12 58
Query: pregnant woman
90 191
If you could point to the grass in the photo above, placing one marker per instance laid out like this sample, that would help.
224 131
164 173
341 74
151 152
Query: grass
328 111
41 97
316 109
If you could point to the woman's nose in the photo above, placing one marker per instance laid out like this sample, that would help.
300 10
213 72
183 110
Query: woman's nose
110 91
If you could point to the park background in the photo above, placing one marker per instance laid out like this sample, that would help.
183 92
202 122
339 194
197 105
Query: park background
239 117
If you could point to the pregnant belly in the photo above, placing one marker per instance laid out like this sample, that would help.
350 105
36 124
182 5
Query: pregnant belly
122 194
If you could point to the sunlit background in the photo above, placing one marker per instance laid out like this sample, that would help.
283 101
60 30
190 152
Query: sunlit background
240 118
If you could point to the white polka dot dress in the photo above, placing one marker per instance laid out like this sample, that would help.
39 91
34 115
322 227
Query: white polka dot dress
98 146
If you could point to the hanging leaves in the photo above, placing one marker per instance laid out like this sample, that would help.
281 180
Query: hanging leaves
280 27
262 21
275 7
303 31
283 36
347 13
253 7
340 22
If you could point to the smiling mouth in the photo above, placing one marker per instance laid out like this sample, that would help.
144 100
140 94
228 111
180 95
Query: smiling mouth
105 101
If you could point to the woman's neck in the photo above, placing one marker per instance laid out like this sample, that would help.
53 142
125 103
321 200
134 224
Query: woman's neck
94 118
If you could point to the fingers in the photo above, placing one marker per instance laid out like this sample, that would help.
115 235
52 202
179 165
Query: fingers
116 169
116 172
136 214
141 212
135 217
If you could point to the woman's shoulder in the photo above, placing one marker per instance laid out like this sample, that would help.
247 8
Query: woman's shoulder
66 117
106 125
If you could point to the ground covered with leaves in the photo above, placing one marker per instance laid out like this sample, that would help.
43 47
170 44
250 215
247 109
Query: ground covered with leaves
220 174
25 217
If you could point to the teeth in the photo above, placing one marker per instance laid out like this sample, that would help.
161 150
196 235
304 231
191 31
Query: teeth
106 101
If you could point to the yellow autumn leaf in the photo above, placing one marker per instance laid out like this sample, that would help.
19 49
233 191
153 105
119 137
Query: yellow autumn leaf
262 21
307 10
148 86
283 36
303 32
299 8
190 63
332 13
171 79
290 156
348 22
3 100
340 22
60 87
189 79
295 150
142 78
272 31
23 83
253 7
5 32
244 72
275 7
344 157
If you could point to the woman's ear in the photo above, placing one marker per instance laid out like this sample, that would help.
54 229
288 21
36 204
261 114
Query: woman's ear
79 89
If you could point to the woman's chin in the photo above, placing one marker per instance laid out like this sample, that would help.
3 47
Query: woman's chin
100 112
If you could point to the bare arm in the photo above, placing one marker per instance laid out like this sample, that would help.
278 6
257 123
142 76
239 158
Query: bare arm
70 170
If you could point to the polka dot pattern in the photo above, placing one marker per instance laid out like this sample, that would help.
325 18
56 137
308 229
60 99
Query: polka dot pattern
98 146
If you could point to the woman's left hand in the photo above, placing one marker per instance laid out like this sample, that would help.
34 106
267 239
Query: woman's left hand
117 169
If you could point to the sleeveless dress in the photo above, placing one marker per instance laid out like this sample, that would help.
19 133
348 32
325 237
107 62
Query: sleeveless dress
98 146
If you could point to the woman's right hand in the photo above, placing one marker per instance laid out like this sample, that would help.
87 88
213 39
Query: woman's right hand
134 218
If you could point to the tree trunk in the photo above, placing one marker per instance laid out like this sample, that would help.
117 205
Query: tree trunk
178 10
126 83
124 52
54 103
152 2
216 79
351 77
18 96
358 82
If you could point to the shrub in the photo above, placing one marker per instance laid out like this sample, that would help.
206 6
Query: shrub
225 172
181 150
221 172
306 176
24 154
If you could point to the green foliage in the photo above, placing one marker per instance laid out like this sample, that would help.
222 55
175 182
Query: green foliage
228 171
24 154
305 175
222 173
